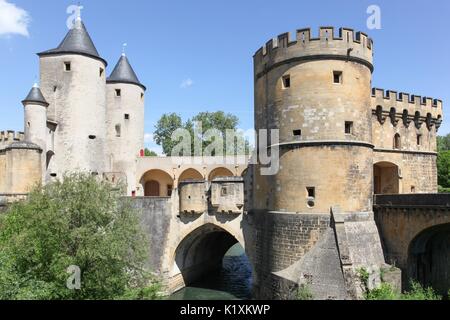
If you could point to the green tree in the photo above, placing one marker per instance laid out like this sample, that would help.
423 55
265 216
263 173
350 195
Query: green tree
150 153
165 127
78 222
443 164
223 123
443 143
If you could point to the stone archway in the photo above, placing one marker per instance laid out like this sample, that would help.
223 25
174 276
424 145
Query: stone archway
429 258
219 173
190 174
200 254
386 178
157 183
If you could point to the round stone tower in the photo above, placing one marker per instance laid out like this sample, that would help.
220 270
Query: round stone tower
35 116
74 82
316 92
125 96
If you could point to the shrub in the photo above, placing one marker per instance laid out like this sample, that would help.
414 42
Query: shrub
304 293
418 292
384 292
75 222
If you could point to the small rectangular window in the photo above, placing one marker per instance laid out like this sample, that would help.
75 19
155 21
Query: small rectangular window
337 76
224 191
127 116
413 189
297 133
419 139
286 81
101 72
142 96
67 66
311 192
348 127
118 92
169 190
118 131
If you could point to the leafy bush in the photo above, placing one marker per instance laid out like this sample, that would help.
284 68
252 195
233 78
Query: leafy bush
417 292
77 222
304 293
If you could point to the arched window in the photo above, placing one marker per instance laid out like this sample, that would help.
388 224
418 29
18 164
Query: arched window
397 141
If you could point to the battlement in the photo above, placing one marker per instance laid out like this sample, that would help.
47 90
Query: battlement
406 107
10 136
394 96
348 45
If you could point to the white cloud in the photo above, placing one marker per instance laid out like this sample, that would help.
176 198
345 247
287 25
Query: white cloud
186 83
13 20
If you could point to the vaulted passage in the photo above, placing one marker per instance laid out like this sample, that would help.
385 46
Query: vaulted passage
429 258
157 183
386 178
211 258
219 173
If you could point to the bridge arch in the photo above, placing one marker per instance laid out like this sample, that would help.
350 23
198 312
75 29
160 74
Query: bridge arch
429 258
386 178
200 253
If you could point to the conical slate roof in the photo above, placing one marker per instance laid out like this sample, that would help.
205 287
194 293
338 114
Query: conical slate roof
124 73
77 41
35 96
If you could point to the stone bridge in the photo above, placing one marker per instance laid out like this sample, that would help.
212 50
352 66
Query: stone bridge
192 230
415 231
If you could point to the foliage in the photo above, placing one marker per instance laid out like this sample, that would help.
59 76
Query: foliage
384 292
443 164
418 292
165 127
77 222
198 126
364 277
444 190
443 143
304 293
150 153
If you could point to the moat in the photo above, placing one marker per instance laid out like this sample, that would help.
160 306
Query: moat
232 282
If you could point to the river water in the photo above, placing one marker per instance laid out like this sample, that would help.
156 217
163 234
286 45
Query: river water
232 282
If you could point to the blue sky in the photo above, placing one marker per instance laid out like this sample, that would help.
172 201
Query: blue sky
197 55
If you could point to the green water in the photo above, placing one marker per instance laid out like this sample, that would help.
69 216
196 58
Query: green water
232 282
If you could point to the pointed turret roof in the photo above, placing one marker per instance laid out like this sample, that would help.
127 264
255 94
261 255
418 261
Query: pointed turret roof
124 73
76 41
35 96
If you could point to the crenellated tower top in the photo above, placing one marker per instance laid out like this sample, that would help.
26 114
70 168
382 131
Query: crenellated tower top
348 46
